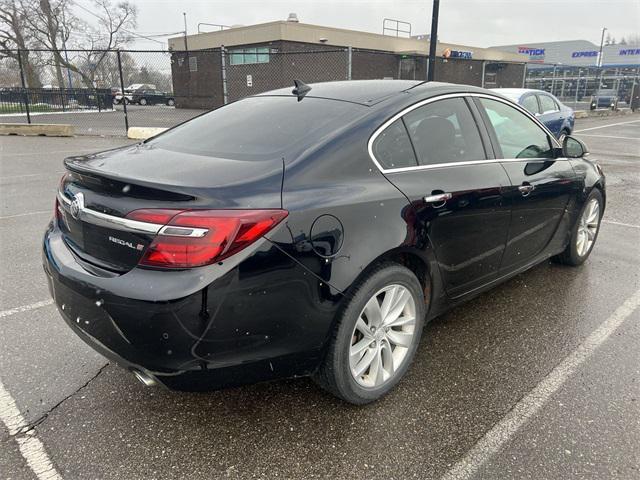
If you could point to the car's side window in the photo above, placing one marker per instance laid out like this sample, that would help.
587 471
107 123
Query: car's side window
518 136
548 104
444 131
530 102
392 148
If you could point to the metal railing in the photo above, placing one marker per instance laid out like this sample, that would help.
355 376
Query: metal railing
575 86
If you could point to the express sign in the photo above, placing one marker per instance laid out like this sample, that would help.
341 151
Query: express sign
629 51
588 53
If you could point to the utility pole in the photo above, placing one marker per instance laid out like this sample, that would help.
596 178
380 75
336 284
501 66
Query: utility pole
433 40
186 46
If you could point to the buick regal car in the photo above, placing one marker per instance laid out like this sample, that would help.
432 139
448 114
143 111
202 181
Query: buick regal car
311 231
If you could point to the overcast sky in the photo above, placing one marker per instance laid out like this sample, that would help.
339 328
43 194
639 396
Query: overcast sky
472 22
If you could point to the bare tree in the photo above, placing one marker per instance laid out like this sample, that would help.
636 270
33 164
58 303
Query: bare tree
15 36
53 23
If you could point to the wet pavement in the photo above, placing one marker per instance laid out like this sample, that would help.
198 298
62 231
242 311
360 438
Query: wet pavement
473 366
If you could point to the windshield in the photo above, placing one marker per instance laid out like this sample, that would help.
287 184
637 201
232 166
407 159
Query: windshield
259 127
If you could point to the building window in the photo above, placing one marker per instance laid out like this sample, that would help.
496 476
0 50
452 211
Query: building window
246 56
193 64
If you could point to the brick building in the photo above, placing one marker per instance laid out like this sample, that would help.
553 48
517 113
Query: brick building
266 56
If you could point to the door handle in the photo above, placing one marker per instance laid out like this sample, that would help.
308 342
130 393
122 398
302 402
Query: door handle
438 198
526 189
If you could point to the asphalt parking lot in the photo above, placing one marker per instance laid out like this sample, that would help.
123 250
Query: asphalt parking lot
111 122
538 378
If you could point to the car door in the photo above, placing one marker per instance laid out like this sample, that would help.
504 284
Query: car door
550 114
439 161
541 185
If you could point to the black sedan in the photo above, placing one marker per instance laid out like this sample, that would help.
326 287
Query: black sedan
311 231
150 97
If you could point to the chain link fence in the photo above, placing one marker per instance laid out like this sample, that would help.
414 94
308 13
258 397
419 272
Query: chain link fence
575 86
105 92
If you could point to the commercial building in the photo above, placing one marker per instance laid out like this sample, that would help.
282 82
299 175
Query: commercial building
576 53
572 69
210 69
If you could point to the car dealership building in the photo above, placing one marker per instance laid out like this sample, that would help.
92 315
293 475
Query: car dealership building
213 68
571 71
576 53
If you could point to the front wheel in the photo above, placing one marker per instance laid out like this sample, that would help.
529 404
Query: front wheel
585 231
143 101
376 336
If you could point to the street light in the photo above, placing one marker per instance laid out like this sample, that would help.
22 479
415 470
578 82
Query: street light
604 29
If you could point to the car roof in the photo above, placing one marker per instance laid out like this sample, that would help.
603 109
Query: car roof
372 92
517 92
366 92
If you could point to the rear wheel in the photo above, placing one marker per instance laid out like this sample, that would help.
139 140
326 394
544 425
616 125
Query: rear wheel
376 337
171 102
585 231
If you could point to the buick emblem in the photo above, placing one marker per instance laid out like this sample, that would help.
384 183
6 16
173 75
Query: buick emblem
77 205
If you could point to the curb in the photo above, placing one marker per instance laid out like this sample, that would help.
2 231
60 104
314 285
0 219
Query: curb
602 113
142 133
36 129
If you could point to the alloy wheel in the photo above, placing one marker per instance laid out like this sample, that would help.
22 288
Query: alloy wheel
382 336
588 227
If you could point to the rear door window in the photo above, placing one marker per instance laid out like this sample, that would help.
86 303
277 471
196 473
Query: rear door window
548 104
392 148
518 136
530 102
444 131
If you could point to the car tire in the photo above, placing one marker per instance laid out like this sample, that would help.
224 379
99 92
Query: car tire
563 133
171 102
337 373
143 101
585 231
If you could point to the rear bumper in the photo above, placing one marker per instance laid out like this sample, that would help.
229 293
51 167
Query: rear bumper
259 318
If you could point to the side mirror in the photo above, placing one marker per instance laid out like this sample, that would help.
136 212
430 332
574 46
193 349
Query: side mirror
573 148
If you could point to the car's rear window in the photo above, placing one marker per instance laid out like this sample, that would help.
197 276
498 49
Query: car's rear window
259 127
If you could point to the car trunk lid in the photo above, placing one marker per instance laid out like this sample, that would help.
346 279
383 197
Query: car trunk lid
100 190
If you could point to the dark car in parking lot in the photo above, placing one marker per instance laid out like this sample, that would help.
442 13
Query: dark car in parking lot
604 98
151 97
311 232
555 115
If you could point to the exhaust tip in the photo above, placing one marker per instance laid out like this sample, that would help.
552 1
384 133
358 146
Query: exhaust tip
146 379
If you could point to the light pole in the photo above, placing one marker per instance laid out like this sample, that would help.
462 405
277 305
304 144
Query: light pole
433 40
186 47
604 29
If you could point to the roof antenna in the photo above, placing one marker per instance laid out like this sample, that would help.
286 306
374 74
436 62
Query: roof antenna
300 89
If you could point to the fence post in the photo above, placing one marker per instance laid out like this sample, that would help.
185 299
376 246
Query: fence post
24 88
524 75
124 99
349 64
484 66
225 95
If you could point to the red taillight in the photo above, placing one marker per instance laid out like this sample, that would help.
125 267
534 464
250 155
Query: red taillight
202 237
